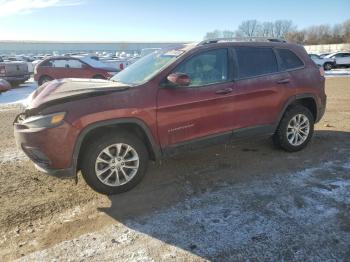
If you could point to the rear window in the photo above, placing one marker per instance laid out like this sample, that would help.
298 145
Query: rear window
255 61
289 59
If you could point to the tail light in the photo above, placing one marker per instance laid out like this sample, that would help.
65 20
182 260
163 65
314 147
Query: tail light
2 70
321 71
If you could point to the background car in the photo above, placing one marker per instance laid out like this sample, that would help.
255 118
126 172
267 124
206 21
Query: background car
341 59
4 85
323 55
71 67
326 63
15 72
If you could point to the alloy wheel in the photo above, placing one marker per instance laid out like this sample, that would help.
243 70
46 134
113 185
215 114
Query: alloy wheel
117 164
298 129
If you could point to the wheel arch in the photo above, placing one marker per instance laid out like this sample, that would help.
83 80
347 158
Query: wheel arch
134 125
307 100
42 77
98 76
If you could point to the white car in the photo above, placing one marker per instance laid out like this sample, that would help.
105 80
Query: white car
326 63
341 59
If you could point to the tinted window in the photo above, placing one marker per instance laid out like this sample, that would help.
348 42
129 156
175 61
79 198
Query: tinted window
206 68
46 63
60 63
289 59
72 63
255 61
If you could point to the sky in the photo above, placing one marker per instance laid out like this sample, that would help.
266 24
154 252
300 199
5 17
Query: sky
151 20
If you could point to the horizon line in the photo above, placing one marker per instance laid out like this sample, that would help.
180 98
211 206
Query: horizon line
95 42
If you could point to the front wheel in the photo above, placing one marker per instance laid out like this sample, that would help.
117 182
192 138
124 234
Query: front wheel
295 129
44 79
114 163
327 66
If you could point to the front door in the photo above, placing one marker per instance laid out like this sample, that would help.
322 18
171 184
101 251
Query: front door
204 107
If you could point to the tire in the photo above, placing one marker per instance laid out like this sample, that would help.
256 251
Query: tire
94 159
98 77
44 79
288 128
15 84
327 66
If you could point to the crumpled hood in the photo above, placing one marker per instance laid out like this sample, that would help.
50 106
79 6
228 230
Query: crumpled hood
59 91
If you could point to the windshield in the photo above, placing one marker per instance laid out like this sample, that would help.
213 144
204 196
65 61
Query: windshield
330 55
93 62
147 67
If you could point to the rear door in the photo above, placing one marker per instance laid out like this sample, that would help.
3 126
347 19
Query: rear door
58 69
77 69
260 87
204 107
343 59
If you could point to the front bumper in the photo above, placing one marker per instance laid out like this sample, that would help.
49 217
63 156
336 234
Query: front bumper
51 149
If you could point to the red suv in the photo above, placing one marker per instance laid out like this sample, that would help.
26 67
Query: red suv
172 100
71 67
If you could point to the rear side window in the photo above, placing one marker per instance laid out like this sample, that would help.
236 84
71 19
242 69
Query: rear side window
72 63
255 61
289 60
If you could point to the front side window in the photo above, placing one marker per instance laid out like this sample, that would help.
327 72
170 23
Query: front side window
289 59
59 63
255 61
206 68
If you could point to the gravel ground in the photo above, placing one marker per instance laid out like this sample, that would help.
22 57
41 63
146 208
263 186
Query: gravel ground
225 203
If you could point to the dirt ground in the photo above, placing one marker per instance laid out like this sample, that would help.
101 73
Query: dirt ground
224 203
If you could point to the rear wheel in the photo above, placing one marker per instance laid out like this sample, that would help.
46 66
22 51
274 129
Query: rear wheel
295 129
327 66
44 79
114 163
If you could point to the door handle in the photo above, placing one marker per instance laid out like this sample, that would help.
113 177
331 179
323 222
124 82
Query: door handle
224 91
283 81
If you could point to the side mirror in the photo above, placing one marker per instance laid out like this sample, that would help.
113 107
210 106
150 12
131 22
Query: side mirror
179 79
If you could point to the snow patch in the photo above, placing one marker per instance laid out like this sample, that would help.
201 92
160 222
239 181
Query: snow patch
18 95
12 155
337 72
287 217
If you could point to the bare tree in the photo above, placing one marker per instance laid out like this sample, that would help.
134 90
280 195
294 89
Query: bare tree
346 31
248 28
282 27
320 34
296 36
266 29
213 35
228 34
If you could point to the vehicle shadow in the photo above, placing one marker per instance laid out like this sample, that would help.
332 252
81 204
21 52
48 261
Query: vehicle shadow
167 193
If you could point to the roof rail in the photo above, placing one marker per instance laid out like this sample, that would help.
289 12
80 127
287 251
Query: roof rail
241 39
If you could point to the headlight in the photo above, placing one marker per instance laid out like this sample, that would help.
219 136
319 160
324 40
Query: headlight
45 121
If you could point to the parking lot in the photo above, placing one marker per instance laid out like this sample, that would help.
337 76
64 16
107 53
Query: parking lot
230 202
